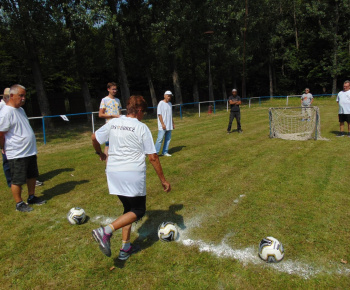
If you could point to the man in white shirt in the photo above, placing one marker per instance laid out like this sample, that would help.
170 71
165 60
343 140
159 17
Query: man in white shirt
306 101
165 123
18 142
5 163
110 107
343 99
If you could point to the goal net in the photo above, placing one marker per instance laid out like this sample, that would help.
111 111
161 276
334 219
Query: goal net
295 123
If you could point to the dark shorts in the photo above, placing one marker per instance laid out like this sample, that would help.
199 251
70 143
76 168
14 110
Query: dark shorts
107 143
136 204
344 118
23 169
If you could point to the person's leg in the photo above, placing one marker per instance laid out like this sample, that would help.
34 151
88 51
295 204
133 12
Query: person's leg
166 142
31 186
230 122
159 140
341 127
6 167
238 120
16 192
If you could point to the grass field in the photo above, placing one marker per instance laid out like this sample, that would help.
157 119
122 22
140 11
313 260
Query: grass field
229 192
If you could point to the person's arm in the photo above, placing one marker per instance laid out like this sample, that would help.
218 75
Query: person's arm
101 114
97 147
173 123
2 142
154 159
161 121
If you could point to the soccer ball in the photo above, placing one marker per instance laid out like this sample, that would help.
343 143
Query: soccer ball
76 216
167 232
271 250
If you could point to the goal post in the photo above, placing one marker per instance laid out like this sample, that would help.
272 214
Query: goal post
295 123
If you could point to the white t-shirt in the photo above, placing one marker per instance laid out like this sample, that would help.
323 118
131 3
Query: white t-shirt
2 104
20 139
306 99
112 106
343 99
129 142
165 109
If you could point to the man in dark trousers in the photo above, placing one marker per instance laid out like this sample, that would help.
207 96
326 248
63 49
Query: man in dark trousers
235 112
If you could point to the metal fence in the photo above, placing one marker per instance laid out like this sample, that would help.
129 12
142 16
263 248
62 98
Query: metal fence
209 106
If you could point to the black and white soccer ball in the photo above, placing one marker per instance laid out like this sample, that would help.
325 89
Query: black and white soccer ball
271 250
76 216
167 232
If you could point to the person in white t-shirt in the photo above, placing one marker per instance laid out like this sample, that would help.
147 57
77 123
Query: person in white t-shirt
129 142
306 101
110 107
18 142
5 163
165 123
343 99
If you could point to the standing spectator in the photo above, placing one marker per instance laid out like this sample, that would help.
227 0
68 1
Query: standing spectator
343 99
235 112
110 107
130 142
165 123
306 101
5 163
18 142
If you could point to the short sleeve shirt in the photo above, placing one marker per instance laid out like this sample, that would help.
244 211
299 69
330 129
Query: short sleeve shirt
343 99
129 142
165 109
234 108
111 106
19 138
306 99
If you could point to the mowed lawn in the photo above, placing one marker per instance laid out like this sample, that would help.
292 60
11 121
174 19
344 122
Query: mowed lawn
228 192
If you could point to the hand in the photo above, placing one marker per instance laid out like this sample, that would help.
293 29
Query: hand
103 157
164 127
166 186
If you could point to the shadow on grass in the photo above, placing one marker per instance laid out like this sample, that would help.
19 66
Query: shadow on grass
62 188
176 149
148 232
49 175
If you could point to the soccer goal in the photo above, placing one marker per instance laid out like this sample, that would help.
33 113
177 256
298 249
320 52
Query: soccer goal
295 123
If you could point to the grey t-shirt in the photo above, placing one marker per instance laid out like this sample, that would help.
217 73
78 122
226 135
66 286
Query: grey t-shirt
234 108
306 99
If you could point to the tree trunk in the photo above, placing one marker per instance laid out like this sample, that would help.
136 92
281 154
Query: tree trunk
270 79
223 87
152 91
177 86
38 79
244 52
295 27
123 79
335 50
87 98
195 92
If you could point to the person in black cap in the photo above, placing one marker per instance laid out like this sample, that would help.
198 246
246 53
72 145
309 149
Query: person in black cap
235 112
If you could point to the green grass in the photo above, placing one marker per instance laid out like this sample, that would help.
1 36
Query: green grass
235 188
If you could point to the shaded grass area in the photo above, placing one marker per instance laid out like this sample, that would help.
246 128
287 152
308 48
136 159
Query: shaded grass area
240 187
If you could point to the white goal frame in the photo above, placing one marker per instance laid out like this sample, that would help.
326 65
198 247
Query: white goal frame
295 123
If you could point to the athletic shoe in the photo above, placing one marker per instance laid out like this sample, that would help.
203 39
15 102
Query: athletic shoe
23 207
35 200
167 154
103 239
228 132
240 131
340 135
39 183
124 255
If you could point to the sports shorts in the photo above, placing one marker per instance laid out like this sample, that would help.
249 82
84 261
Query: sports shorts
135 204
344 118
23 169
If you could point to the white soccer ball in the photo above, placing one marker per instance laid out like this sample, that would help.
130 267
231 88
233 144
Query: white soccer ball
271 250
167 232
76 216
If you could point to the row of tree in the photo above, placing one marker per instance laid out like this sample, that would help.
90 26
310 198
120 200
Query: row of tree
64 50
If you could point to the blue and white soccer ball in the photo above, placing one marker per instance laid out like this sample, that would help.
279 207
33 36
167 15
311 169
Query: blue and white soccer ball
271 250
76 216
167 232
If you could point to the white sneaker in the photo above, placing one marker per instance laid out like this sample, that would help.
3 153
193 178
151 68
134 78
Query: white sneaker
167 154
